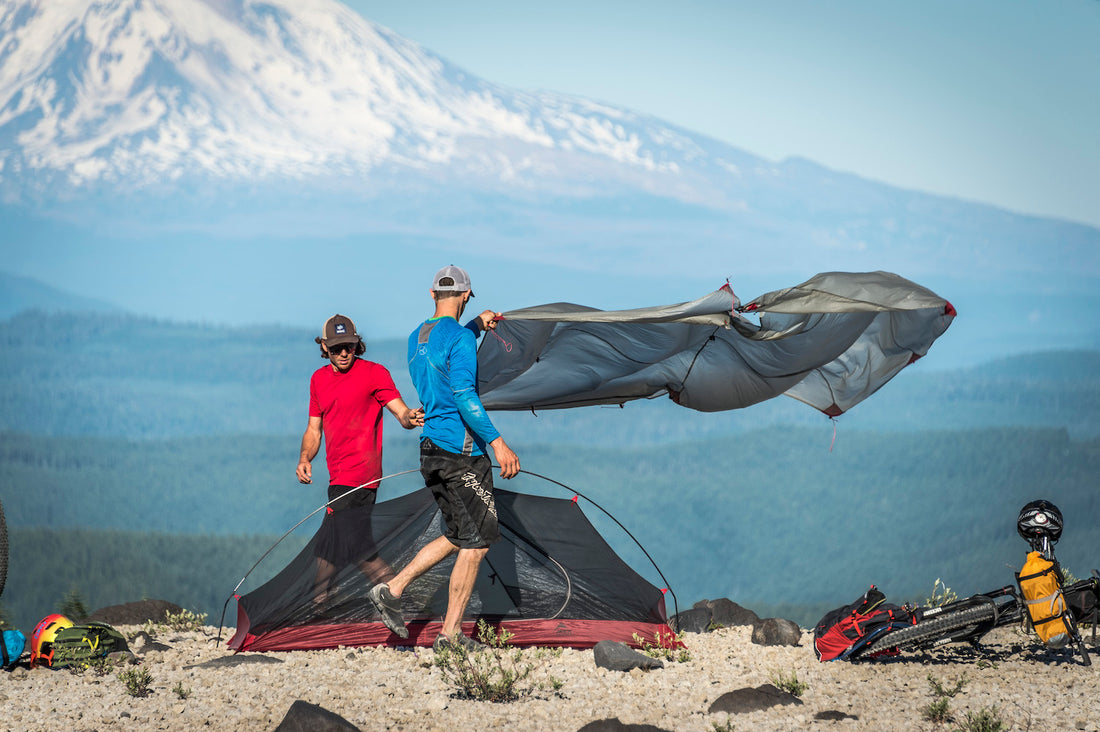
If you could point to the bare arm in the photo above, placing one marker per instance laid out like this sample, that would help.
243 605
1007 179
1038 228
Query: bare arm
506 459
311 443
409 418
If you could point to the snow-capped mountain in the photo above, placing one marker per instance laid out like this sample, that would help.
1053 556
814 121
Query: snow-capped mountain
140 92
301 118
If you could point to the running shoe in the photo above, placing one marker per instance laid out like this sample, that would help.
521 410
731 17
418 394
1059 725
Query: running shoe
459 641
389 607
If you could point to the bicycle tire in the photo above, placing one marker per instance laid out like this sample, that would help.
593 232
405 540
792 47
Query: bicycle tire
926 632
3 549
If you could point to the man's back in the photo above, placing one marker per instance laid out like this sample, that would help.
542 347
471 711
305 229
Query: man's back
443 367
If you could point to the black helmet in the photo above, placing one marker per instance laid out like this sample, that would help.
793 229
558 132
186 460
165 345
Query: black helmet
1038 519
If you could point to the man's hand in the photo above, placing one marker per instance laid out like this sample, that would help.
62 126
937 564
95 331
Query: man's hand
413 418
408 418
506 459
305 472
488 320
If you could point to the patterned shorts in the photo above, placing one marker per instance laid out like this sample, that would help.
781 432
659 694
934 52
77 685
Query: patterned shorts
463 488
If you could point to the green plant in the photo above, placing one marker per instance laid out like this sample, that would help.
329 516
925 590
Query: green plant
667 647
98 666
497 673
180 691
938 711
1067 577
184 620
939 690
137 681
986 719
789 684
941 595
727 727
73 606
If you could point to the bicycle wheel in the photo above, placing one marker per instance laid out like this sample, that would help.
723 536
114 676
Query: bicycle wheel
934 630
3 549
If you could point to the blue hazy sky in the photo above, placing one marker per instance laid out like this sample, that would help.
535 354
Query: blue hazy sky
995 101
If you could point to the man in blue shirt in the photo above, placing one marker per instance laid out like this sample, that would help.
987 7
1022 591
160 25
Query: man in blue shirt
453 459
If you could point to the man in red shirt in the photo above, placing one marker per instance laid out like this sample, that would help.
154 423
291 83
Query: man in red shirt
346 398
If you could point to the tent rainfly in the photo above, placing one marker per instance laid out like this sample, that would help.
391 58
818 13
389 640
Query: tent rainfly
551 580
830 342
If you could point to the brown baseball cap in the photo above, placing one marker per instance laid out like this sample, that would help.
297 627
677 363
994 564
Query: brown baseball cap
338 329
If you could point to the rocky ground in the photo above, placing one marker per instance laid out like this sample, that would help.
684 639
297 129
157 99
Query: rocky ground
197 684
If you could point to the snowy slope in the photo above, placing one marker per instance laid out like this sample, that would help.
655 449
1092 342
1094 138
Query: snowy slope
146 91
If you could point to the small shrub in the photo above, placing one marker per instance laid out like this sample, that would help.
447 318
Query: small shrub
184 620
181 621
98 666
73 606
789 684
498 673
938 711
181 692
939 690
941 595
137 681
987 719
661 647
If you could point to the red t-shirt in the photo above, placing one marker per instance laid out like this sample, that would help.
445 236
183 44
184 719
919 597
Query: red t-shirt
350 407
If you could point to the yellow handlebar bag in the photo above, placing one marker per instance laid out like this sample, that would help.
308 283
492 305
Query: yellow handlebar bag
1041 585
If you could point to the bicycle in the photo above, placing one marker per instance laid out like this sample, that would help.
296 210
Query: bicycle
970 619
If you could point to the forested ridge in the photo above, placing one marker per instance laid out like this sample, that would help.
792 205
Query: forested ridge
133 450
776 518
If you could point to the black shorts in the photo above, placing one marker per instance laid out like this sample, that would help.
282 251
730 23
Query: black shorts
345 534
463 488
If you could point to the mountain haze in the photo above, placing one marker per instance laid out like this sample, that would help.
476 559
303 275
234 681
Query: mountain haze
186 159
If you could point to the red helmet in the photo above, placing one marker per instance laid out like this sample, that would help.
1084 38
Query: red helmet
43 637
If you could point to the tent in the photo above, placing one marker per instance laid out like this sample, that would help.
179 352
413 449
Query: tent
551 580
830 342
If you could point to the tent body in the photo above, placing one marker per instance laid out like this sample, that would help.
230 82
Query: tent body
830 342
551 580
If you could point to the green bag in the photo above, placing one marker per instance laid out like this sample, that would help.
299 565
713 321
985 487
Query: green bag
83 643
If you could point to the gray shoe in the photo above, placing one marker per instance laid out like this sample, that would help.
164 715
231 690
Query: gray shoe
459 641
389 607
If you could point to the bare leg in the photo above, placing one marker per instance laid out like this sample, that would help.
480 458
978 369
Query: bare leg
432 554
322 584
376 569
463 577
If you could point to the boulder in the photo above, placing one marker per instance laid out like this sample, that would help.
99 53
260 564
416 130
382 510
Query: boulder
748 699
305 717
617 656
614 725
776 632
726 613
696 620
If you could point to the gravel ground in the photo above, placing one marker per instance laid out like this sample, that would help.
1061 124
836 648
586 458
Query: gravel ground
386 689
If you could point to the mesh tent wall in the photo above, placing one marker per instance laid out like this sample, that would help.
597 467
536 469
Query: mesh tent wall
551 580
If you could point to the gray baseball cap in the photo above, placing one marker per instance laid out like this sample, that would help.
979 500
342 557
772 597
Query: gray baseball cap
452 279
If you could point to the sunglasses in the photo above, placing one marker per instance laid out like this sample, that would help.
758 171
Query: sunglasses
337 350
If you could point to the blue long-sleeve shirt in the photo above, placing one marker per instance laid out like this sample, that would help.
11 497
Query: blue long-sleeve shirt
443 366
